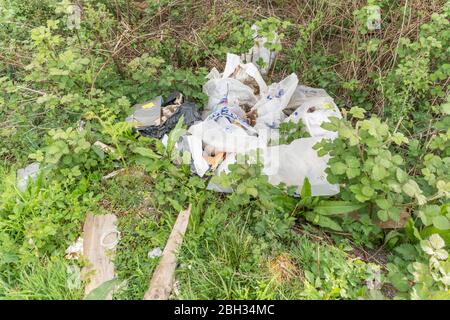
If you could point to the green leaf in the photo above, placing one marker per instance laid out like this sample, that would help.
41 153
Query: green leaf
436 241
357 112
399 281
378 173
383 203
441 222
338 168
103 290
306 188
146 152
331 207
323 221
383 215
175 204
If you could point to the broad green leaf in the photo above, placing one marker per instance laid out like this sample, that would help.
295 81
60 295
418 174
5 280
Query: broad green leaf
146 152
306 189
338 168
383 203
357 112
441 222
383 215
331 207
102 291
323 221
399 281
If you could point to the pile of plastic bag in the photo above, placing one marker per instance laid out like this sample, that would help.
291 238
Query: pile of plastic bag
243 114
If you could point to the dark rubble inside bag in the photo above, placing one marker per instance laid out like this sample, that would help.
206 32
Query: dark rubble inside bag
188 110
169 114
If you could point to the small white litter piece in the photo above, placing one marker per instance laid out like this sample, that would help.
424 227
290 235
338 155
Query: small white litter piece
373 17
25 174
75 250
259 52
155 253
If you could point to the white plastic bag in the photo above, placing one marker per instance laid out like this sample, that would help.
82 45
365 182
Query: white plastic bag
270 106
291 163
225 137
260 53
233 90
313 112
194 145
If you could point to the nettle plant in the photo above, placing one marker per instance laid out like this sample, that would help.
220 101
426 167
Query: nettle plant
362 163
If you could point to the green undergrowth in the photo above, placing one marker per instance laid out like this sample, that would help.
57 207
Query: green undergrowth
65 87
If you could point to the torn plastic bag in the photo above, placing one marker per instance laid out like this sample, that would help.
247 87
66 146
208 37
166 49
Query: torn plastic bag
225 137
187 109
234 115
25 174
240 84
233 90
291 163
145 114
270 107
247 73
194 145
259 52
313 112
213 74
301 94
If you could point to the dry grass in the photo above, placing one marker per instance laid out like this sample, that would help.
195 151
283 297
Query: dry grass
283 268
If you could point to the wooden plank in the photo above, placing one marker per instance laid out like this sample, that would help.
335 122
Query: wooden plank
161 283
100 239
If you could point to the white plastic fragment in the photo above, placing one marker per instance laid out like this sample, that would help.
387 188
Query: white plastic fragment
25 174
270 107
155 253
313 112
290 164
240 84
75 250
259 52
373 17
194 145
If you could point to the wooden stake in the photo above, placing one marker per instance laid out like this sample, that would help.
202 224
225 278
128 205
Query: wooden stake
162 281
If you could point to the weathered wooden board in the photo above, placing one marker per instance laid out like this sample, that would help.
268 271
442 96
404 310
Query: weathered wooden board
100 238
